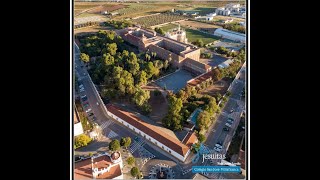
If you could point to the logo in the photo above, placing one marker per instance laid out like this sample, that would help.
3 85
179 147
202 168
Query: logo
213 156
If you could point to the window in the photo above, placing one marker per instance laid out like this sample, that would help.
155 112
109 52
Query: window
169 151
162 147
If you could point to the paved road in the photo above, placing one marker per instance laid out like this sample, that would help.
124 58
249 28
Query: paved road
216 134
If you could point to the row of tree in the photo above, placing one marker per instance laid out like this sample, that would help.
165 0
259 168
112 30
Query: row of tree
235 27
159 30
87 24
118 24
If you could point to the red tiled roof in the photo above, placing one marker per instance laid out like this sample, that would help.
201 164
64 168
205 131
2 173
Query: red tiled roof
200 79
152 131
83 170
190 139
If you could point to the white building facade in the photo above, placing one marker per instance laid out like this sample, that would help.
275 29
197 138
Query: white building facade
78 129
182 155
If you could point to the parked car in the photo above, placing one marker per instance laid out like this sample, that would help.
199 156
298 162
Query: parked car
88 110
226 129
85 105
218 146
90 114
217 149
230 120
228 125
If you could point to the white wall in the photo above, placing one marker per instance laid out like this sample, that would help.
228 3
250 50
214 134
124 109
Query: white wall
149 138
78 129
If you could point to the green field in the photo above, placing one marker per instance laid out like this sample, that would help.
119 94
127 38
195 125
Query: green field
193 35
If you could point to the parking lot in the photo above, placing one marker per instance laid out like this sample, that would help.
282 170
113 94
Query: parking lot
175 81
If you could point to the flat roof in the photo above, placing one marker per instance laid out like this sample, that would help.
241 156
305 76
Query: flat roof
151 130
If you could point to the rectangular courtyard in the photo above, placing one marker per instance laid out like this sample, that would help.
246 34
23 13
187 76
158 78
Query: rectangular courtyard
175 81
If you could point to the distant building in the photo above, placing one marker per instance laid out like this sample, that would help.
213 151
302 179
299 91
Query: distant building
174 147
232 8
208 17
177 34
102 166
231 35
229 20
77 124
222 11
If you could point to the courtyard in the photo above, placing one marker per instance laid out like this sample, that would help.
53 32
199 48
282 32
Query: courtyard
175 81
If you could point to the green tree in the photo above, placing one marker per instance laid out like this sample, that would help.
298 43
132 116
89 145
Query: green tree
84 57
203 120
217 75
141 96
158 64
199 43
125 142
142 78
173 120
212 106
112 48
135 171
133 64
114 145
160 31
131 160
82 140
151 70
201 137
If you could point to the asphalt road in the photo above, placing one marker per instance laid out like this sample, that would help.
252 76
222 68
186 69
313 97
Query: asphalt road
235 103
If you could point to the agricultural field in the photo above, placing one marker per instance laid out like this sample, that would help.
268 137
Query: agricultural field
192 34
107 7
199 25
141 9
157 19
82 6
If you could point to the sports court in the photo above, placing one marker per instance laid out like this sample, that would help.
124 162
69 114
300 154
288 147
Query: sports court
175 81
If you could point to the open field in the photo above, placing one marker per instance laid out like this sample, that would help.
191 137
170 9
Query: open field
218 87
107 7
198 25
82 6
141 9
157 19
85 17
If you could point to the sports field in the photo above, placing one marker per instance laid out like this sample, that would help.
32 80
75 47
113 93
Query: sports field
175 81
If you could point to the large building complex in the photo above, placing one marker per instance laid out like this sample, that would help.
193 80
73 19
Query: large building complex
176 148
231 35
166 48
102 166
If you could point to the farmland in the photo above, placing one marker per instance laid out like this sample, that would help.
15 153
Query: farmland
107 7
157 19
134 10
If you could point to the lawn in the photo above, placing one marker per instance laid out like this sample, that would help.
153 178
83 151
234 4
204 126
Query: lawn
193 35
168 27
